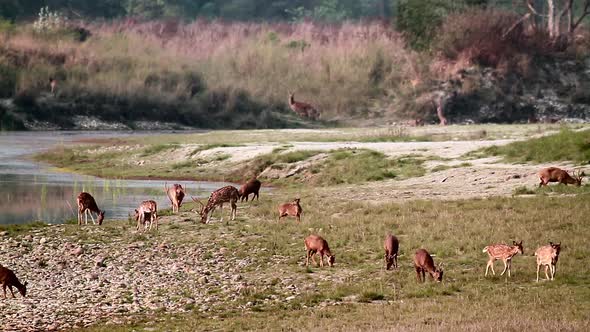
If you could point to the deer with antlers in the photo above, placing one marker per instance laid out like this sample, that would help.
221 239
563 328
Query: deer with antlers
87 205
303 109
218 198
503 252
554 174
175 194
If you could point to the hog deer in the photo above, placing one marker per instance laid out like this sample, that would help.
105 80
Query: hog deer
175 194
250 187
303 109
548 256
292 209
147 209
554 174
317 244
8 279
87 205
503 252
218 197
423 263
391 246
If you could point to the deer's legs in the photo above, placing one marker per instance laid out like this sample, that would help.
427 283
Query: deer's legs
505 268
321 259
4 288
538 268
11 291
546 275
91 217
395 261
234 209
490 265
307 258
313 258
299 218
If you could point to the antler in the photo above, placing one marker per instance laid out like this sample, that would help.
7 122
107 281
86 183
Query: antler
166 186
196 200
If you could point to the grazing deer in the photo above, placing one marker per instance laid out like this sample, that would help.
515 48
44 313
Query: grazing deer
391 246
8 279
52 85
250 187
218 197
548 256
554 174
503 252
303 109
175 195
87 205
317 244
292 209
147 209
423 263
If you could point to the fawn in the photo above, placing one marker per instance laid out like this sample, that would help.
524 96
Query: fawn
548 256
292 209
8 279
175 195
147 208
250 187
503 252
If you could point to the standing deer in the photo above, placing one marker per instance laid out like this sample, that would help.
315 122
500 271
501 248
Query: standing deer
317 244
391 246
423 263
52 85
292 209
218 197
8 279
503 252
250 187
147 209
554 174
175 195
87 205
303 109
548 256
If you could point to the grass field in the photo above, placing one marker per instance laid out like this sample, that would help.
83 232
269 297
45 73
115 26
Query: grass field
357 293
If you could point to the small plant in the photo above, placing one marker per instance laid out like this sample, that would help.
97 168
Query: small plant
49 20
522 190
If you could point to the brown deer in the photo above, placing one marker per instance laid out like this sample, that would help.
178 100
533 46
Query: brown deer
292 209
52 85
147 209
250 187
218 197
554 174
423 263
391 246
8 279
175 194
303 109
548 256
87 205
317 244
503 252
440 112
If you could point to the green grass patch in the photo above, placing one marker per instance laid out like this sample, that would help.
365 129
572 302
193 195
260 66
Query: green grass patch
552 189
567 145
155 149
356 166
211 146
21 228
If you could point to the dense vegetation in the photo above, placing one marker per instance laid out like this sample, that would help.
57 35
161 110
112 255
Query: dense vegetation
166 61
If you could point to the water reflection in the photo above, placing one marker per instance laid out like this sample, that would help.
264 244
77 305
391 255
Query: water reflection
29 191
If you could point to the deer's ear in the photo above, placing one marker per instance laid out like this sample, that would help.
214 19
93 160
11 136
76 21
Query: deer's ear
514 243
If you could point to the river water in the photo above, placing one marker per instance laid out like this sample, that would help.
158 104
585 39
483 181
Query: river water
31 191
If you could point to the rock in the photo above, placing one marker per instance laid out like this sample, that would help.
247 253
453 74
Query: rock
203 280
3 233
77 251
43 240
99 261
237 277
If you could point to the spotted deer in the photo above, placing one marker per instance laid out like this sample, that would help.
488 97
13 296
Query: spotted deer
9 279
147 209
87 205
391 246
503 252
175 194
547 256
423 263
554 174
317 244
218 198
303 109
250 187
292 209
